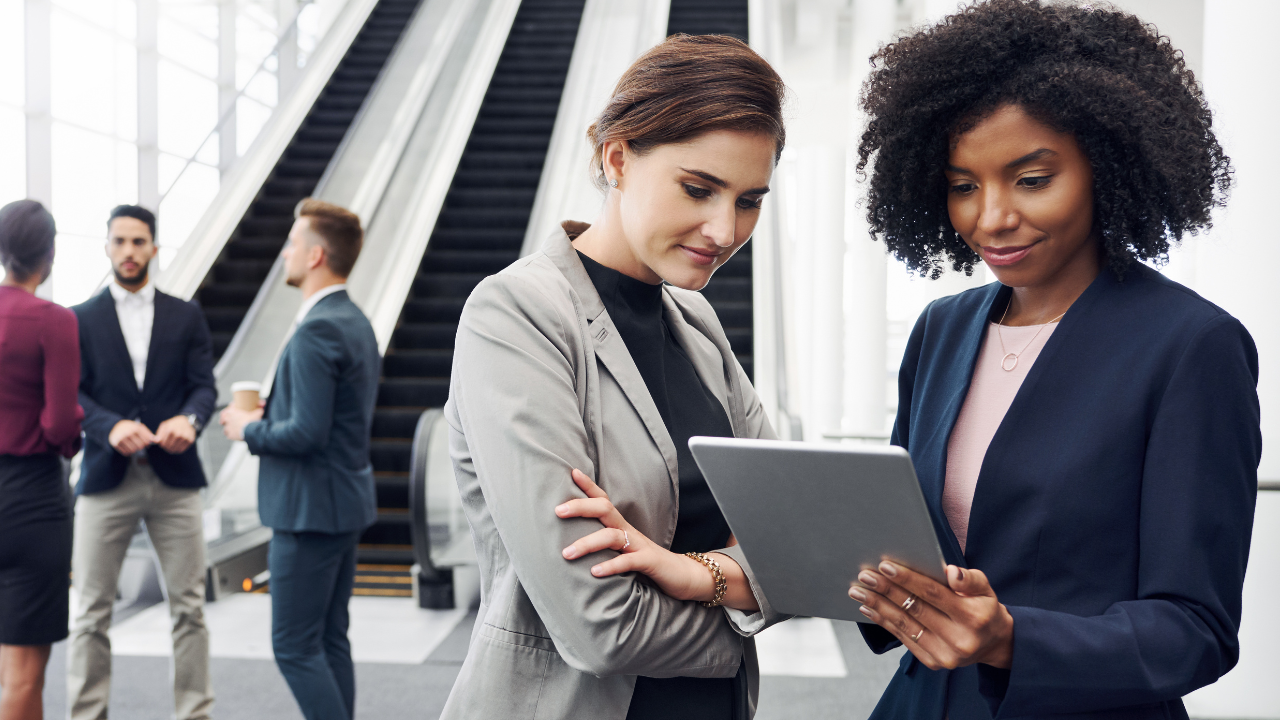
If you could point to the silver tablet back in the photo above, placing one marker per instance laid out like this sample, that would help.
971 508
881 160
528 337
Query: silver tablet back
810 516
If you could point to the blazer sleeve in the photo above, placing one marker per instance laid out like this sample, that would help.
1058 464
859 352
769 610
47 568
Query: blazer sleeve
514 394
61 416
98 420
314 352
202 391
877 638
1199 487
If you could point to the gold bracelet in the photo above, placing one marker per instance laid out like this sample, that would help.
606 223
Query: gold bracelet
718 577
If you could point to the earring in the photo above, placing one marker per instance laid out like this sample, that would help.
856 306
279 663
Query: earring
613 183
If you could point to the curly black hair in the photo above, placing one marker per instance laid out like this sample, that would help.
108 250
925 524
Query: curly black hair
1112 81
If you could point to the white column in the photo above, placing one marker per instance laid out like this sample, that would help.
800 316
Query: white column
227 84
39 81
287 70
148 15
866 386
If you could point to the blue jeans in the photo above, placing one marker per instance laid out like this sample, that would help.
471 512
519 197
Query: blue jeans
312 575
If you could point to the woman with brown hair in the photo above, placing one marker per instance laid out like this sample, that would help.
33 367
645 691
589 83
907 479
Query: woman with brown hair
597 358
39 421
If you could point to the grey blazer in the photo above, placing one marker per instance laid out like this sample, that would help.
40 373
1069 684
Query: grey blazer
542 383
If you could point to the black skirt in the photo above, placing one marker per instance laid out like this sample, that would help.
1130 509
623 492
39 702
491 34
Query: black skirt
35 549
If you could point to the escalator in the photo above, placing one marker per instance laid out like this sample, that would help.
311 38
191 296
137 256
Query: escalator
480 231
729 291
233 282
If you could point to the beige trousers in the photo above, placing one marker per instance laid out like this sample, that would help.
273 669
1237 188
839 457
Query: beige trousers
104 525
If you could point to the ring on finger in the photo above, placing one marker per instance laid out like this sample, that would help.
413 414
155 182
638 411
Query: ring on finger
627 544
906 604
916 638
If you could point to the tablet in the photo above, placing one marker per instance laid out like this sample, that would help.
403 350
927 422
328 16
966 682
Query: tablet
811 516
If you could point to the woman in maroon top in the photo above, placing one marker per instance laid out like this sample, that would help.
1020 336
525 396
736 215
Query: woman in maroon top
39 421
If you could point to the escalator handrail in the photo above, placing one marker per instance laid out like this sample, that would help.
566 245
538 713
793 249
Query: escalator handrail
381 291
420 527
238 189
602 51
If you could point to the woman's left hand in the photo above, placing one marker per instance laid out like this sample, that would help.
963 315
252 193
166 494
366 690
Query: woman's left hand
943 626
676 575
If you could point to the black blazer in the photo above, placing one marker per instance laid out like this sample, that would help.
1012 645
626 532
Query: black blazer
1114 506
315 473
179 382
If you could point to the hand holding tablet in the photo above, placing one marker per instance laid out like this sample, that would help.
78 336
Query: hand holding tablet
810 517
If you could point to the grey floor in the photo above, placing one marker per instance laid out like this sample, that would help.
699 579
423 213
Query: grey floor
254 689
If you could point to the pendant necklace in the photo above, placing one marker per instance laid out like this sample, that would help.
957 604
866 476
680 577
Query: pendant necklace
1010 360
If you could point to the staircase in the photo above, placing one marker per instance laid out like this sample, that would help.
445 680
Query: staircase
237 275
729 291
479 232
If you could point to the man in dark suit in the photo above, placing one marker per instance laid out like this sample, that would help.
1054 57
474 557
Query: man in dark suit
147 388
315 481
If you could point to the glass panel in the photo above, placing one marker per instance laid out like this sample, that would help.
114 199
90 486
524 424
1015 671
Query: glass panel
188 109
98 12
188 48
79 266
85 180
251 117
185 203
11 54
126 91
13 155
85 73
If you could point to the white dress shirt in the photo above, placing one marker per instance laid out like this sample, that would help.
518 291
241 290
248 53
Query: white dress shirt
310 302
136 312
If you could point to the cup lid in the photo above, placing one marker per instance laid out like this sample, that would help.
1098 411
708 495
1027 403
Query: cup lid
246 385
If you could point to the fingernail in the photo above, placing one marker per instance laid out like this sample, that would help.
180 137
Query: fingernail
561 509
570 552
597 570
871 615
888 569
867 579
858 594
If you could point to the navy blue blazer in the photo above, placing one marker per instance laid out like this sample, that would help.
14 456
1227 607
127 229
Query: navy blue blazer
179 382
1114 506
315 474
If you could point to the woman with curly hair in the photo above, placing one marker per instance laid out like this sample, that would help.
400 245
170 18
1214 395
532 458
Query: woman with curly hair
1086 431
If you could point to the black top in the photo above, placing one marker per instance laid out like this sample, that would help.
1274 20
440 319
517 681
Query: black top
687 408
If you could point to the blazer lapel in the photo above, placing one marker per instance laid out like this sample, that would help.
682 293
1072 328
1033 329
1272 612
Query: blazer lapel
114 340
959 375
1076 318
609 347
159 319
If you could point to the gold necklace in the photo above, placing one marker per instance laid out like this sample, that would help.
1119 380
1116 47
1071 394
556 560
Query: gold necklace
1004 361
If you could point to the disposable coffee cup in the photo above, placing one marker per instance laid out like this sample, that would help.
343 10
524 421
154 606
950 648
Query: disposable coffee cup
246 394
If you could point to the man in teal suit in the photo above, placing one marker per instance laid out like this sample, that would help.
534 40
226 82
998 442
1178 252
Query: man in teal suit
315 482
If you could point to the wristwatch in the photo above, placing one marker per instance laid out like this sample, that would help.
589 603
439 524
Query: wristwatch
194 420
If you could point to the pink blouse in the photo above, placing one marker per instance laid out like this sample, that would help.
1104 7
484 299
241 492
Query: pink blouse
991 392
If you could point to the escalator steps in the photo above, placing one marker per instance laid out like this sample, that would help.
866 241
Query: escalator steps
729 291
479 232
237 276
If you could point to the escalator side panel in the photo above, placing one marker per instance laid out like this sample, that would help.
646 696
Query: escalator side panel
233 282
479 232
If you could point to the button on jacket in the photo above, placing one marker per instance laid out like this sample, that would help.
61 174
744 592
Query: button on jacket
542 383
1114 506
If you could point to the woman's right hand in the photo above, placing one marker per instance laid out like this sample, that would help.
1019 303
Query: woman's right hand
676 575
